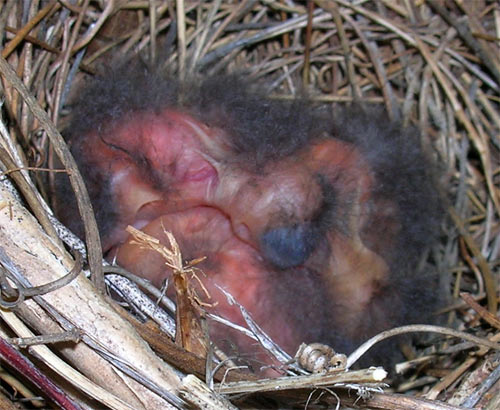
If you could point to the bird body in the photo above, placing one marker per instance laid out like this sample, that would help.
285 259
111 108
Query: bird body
313 221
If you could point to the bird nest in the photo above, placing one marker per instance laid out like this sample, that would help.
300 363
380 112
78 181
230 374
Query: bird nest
433 64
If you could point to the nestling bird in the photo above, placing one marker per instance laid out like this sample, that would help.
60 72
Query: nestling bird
313 221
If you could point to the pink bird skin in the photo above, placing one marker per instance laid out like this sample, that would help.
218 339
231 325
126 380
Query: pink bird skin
313 220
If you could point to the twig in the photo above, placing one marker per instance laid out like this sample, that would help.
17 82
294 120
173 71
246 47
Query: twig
354 356
82 197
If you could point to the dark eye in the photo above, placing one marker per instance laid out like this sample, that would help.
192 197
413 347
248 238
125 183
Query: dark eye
289 246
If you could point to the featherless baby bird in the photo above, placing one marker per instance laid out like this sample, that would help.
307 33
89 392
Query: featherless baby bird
313 221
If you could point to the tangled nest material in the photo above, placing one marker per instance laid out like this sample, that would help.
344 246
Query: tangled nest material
432 63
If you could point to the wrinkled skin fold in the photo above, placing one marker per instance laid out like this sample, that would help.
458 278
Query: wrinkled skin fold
313 220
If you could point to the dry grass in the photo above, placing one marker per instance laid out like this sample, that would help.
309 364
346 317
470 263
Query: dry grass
431 63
